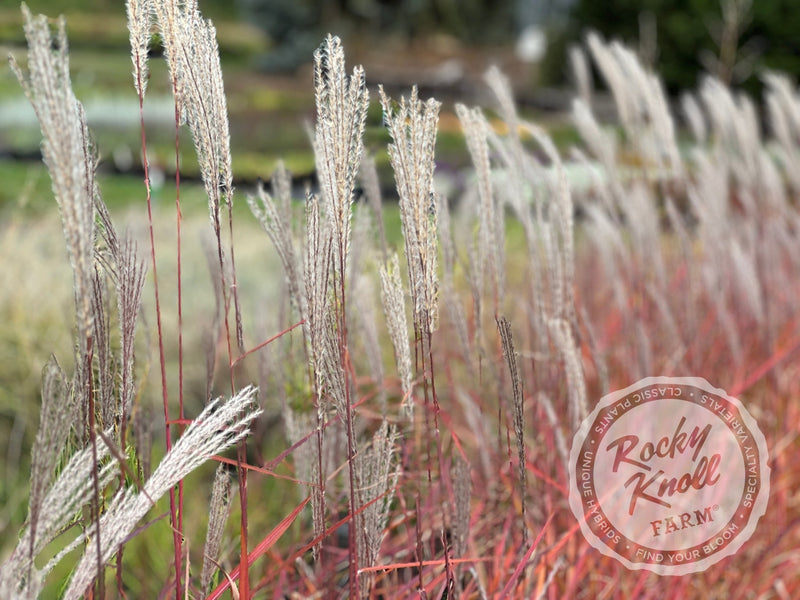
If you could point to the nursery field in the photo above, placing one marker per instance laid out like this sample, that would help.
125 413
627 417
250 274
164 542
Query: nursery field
362 376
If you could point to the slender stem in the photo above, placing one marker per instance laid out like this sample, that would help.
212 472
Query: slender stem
178 219
235 285
266 343
351 442
420 553
241 450
437 440
176 538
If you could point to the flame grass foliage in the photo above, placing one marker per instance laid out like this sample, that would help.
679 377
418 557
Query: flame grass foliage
403 481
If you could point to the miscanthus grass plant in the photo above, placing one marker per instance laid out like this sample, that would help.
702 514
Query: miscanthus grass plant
397 377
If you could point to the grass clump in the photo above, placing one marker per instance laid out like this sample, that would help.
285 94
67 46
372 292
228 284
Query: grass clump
508 311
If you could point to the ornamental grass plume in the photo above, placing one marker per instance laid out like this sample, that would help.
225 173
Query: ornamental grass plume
220 425
392 298
69 155
412 127
218 512
140 22
274 213
342 102
641 104
192 53
489 213
72 491
518 410
377 473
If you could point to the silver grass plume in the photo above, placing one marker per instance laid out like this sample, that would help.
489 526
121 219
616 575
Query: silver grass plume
522 190
694 118
557 231
67 152
413 131
101 350
220 425
738 143
57 412
274 213
736 132
220 509
300 432
641 104
74 488
377 472
140 20
561 333
131 270
190 46
607 239
504 95
783 108
523 170
317 263
342 103
641 209
507 340
394 309
490 259
601 142
330 366
581 73
461 475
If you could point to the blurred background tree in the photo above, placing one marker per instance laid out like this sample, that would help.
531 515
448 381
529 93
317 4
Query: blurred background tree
295 26
732 39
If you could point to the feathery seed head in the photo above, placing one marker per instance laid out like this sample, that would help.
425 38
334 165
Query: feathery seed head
342 103
395 312
67 151
140 19
413 132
